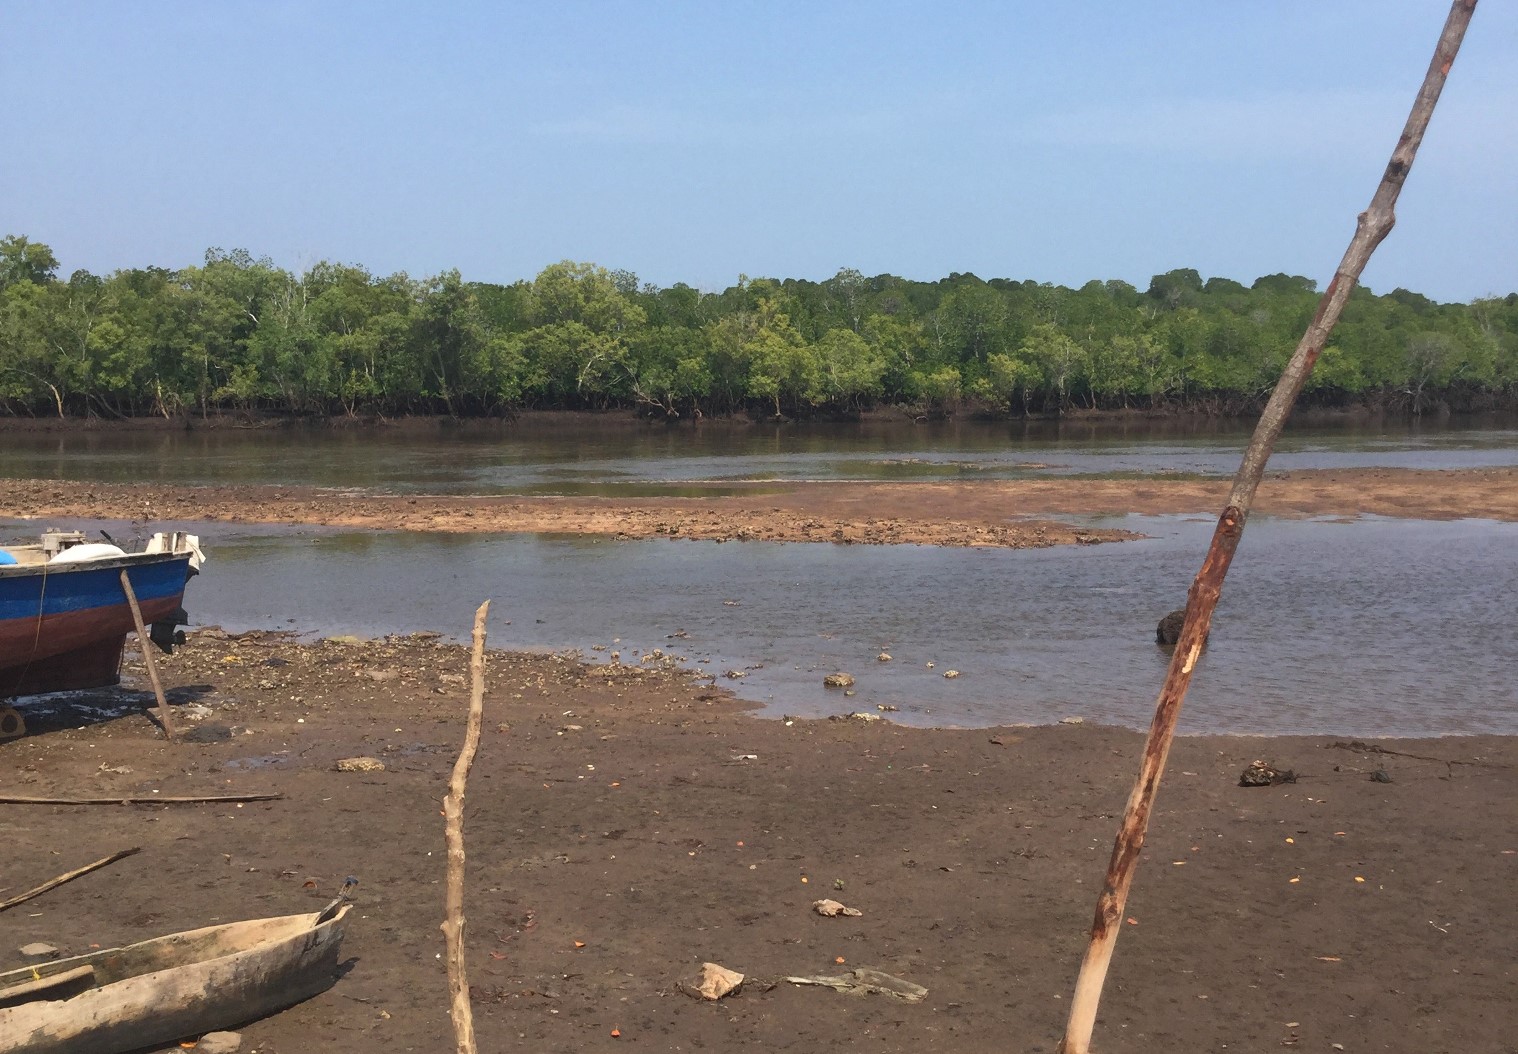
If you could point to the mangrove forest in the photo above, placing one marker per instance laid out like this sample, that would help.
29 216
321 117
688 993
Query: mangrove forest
238 334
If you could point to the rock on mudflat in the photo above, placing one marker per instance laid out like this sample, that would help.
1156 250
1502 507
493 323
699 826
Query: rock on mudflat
360 765
219 1043
838 680
715 982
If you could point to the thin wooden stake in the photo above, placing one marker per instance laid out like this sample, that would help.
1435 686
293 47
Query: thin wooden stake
453 812
54 883
147 656
1373 225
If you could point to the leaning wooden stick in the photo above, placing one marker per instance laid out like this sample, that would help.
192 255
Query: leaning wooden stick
147 656
54 883
453 812
1374 224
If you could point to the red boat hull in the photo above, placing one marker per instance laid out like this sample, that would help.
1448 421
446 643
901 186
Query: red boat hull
67 632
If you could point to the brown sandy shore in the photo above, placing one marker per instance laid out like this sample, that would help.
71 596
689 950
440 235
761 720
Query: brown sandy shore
627 823
1010 513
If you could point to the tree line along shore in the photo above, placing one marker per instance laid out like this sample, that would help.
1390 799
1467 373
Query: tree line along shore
238 334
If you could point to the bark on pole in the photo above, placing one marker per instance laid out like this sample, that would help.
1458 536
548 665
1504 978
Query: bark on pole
453 811
1374 224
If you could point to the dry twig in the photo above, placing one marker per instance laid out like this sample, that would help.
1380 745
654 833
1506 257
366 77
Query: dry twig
453 812
54 883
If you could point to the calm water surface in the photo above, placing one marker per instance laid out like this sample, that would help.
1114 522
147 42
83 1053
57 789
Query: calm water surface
659 459
1375 627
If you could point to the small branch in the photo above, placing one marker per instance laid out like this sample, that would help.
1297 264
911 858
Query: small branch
138 800
147 656
1373 225
54 883
453 811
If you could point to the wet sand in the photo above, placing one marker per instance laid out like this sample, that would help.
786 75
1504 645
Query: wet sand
1019 514
626 824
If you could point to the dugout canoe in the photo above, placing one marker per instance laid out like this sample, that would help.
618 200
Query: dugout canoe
170 988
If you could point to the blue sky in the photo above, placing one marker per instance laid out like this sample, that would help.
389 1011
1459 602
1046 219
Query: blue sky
698 141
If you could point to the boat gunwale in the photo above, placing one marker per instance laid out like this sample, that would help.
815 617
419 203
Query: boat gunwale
285 927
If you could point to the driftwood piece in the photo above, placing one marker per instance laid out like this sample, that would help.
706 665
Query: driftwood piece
1373 225
68 876
170 799
453 811
147 656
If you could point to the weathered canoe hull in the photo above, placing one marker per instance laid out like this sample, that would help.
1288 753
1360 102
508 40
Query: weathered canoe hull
63 626
176 987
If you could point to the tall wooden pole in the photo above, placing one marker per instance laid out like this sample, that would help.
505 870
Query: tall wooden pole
453 811
1374 224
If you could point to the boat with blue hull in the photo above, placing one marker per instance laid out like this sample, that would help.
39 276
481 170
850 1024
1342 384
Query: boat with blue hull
65 614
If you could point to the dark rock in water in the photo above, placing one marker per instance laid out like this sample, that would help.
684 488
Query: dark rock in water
1168 632
1169 629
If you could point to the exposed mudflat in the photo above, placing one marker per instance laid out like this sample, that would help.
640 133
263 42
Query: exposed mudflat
627 823
1022 513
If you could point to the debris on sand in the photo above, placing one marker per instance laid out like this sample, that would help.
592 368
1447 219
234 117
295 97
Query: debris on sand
714 983
838 680
1260 774
832 909
360 765
866 981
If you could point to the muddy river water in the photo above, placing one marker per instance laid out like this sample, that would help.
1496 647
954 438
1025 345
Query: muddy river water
1362 627
1376 627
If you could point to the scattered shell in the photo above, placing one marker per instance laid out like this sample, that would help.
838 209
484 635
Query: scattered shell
951 673
884 656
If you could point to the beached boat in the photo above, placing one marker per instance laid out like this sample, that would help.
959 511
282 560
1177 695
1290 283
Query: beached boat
64 614
171 988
